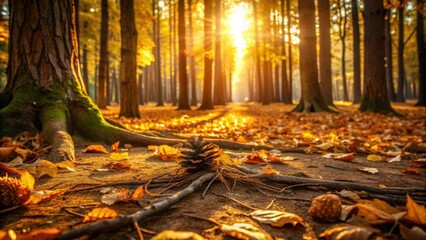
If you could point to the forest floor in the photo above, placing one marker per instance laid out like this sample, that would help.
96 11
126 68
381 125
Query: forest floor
390 145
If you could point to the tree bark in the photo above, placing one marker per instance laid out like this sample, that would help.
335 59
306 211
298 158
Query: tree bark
356 53
289 98
267 71
284 77
207 88
325 51
311 99
257 54
343 19
375 97
157 37
401 73
129 96
192 58
173 87
103 60
219 85
421 51
183 76
389 59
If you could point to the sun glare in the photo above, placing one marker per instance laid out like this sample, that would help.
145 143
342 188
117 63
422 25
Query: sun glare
239 22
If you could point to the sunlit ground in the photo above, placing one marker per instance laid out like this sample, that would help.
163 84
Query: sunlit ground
275 125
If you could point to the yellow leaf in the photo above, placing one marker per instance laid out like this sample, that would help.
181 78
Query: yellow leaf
276 218
374 158
44 195
99 214
177 235
27 179
415 213
42 167
348 232
245 231
95 149
118 156
166 153
225 159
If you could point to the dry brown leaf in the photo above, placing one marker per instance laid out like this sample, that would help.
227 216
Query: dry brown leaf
116 195
164 152
421 161
177 235
245 231
347 157
44 195
138 193
347 212
225 159
413 171
368 170
268 170
41 168
415 213
276 218
412 233
381 205
119 166
114 146
258 158
41 234
96 148
99 214
374 215
6 153
347 232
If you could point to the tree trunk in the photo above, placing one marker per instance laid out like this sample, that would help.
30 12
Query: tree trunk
267 71
257 54
129 92
156 11
173 87
356 53
290 55
388 53
421 51
207 88
325 51
103 60
343 19
401 73
284 77
192 58
312 99
375 97
219 86
85 69
183 76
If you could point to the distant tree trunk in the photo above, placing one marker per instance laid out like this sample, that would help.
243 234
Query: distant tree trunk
375 97
325 51
388 53
343 19
267 71
356 53
276 42
192 58
257 54
290 54
312 99
156 11
219 86
129 92
140 91
171 52
401 73
115 81
77 23
146 84
421 51
284 77
173 86
183 76
85 69
207 102
103 60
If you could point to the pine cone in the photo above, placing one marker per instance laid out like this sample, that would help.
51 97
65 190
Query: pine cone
199 155
12 192
326 207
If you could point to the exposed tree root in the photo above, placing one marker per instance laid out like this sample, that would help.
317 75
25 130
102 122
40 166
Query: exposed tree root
127 220
313 106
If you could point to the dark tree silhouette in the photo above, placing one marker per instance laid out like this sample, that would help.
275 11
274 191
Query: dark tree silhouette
257 54
356 53
207 102
129 106
311 99
103 60
401 73
421 51
157 36
375 97
389 58
284 77
192 58
183 75
219 85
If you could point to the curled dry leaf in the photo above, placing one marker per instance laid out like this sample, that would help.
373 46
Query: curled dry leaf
368 170
41 168
119 166
347 232
6 153
276 218
244 231
116 195
138 193
177 235
268 170
373 215
347 157
44 195
96 148
421 161
347 212
41 234
164 152
99 214
415 213
412 233
114 146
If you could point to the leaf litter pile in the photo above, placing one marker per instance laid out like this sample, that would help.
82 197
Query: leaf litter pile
328 176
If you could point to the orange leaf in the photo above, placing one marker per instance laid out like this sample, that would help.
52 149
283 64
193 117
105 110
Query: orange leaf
41 234
138 193
415 213
269 171
95 149
99 214
374 215
44 195
6 152
114 147
165 152
254 158
413 171
123 165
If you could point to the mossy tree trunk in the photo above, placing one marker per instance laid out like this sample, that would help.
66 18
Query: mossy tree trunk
312 99
207 102
375 97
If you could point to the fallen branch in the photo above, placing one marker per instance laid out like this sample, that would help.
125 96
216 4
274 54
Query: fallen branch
127 220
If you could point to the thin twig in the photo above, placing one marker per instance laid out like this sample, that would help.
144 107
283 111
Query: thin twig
237 201
138 229
9 209
208 186
270 204
73 213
